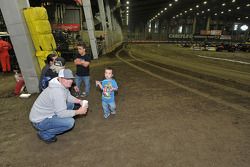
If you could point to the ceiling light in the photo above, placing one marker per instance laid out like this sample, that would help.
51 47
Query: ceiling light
233 1
190 9
127 2
185 11
202 11
229 10
235 27
197 13
223 4
197 6
244 27
221 12
238 8
162 11
248 5
170 4
176 0
238 18
205 2
165 8
215 14
246 17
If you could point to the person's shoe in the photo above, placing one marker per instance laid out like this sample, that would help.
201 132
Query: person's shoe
48 141
83 94
106 116
113 112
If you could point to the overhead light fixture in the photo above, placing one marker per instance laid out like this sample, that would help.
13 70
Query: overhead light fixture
165 8
238 8
236 27
233 1
205 2
208 10
170 5
246 17
244 27
215 14
223 4
176 0
127 2
190 9
248 5
229 10
197 6
221 12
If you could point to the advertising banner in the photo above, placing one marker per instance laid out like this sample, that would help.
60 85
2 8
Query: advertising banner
67 27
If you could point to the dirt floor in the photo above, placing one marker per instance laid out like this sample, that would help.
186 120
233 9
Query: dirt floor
188 113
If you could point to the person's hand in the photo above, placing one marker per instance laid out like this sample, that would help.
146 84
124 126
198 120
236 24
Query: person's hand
76 89
78 61
113 89
81 111
97 83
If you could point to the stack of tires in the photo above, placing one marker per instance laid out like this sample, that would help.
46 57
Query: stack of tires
41 33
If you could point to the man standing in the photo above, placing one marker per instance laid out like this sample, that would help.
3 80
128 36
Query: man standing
49 114
4 55
82 62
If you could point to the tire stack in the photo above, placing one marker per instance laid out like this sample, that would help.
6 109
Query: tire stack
41 33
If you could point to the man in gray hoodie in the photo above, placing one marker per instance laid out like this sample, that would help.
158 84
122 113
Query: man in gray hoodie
49 114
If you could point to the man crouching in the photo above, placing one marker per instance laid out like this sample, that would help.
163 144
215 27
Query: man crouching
49 114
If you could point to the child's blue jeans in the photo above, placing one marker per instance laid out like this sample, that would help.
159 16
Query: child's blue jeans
108 108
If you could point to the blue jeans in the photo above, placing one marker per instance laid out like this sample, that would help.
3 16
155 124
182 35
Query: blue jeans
86 80
50 127
108 108
70 106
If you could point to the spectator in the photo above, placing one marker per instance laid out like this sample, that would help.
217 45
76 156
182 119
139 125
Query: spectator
4 55
49 62
49 113
82 62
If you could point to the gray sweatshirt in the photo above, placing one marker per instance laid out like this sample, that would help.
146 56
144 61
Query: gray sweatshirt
52 101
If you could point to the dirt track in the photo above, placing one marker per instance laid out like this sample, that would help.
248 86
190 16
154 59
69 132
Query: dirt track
158 123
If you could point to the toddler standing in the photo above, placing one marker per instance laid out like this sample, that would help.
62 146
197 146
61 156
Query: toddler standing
108 86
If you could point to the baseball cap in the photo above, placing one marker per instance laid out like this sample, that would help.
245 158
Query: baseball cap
66 73
59 61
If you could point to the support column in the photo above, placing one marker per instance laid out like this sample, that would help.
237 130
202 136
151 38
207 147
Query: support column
108 11
102 15
194 25
110 28
24 49
103 20
208 23
90 25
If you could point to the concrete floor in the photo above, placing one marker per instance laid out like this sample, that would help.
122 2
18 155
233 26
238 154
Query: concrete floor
161 121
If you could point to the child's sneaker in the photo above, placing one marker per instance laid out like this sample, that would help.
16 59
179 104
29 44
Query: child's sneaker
106 116
113 112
